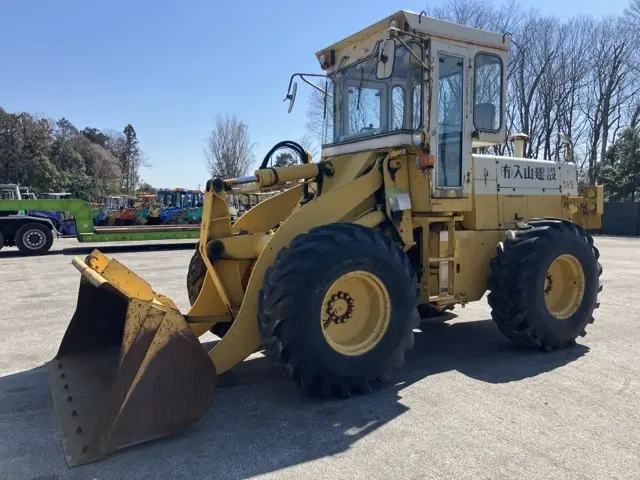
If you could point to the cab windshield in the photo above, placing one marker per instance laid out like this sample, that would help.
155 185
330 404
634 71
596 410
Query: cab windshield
359 105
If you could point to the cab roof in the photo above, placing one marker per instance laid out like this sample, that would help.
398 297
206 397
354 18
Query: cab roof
420 23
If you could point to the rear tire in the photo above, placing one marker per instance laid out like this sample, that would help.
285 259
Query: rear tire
524 304
195 275
312 340
34 239
195 279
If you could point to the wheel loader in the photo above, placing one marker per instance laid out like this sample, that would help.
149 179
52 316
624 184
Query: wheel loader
408 212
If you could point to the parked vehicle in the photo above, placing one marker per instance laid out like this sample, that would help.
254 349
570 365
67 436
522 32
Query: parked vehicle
32 235
62 220
85 230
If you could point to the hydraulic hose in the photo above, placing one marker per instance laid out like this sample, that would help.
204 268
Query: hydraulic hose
297 148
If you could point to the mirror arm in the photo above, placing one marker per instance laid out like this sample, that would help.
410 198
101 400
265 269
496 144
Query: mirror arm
396 32
396 36
306 81
314 86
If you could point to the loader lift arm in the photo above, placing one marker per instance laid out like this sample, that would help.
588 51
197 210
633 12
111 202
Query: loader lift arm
139 330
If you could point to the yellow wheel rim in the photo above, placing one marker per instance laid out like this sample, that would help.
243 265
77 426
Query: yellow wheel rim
356 312
564 286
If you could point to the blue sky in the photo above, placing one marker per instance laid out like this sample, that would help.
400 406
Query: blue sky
169 67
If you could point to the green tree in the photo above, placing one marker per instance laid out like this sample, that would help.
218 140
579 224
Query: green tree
10 147
96 136
130 159
145 187
53 156
620 171
69 163
285 159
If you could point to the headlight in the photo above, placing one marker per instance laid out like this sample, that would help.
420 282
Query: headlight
393 23
323 59
417 138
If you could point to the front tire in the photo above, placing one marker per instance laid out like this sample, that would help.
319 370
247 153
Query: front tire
338 308
544 283
34 239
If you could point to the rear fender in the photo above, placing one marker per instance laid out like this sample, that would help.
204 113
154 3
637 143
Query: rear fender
589 208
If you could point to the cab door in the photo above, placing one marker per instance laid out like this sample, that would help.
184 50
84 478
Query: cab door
450 134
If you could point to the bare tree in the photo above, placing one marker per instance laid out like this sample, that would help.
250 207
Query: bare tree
320 112
479 14
103 167
632 14
131 158
611 85
570 80
229 151
310 144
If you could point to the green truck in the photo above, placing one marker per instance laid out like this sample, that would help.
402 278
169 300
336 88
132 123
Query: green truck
34 235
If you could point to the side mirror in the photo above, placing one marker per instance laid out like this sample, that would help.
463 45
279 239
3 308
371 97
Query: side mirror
386 57
292 96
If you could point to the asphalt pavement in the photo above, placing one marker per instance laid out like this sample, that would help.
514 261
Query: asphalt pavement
467 405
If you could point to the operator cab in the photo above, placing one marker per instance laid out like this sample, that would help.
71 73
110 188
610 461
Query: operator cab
412 81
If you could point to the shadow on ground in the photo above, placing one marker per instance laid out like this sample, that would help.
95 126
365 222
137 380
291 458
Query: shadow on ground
14 253
86 249
133 247
259 421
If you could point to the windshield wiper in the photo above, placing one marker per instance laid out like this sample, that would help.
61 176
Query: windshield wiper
366 67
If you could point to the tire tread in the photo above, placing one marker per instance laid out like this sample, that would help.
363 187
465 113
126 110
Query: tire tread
281 285
511 267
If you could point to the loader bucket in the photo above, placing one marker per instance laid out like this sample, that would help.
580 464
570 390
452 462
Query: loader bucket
128 369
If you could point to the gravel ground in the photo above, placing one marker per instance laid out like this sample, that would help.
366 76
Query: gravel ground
467 405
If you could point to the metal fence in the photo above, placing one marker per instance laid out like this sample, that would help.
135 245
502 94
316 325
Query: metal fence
621 218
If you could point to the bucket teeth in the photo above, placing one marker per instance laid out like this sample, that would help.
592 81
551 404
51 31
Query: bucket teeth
128 370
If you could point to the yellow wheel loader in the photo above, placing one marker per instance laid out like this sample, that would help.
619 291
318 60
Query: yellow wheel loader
407 211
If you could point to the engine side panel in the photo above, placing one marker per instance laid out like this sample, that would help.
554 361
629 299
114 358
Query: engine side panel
509 190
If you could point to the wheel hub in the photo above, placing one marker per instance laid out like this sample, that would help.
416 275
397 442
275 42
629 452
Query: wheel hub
564 286
548 283
340 307
350 330
34 239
